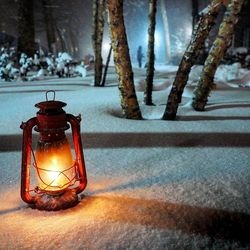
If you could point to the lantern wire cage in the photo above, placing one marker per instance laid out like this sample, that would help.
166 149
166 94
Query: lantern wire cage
71 182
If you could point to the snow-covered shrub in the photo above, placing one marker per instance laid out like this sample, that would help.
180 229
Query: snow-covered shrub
39 66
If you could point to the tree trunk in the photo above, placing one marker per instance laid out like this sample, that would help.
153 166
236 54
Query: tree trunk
106 67
26 30
49 25
129 103
61 39
150 54
166 30
220 45
73 41
199 36
97 37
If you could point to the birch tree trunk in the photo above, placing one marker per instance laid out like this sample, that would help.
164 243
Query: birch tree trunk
166 30
26 29
150 53
129 103
217 52
200 33
97 37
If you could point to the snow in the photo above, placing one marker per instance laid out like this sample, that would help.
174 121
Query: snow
239 50
229 75
80 70
38 67
152 184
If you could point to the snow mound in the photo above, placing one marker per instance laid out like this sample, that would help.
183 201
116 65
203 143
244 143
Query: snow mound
229 75
157 85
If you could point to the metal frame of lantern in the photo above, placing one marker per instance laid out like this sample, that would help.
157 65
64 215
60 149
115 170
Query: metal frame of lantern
51 122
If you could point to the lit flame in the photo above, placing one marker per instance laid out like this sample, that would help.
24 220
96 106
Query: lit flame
52 175
55 171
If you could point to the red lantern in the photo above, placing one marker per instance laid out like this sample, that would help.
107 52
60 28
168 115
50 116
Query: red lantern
59 177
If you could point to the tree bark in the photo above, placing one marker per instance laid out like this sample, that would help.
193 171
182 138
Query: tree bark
26 29
97 37
199 36
195 12
150 54
217 52
49 25
166 30
73 41
129 103
61 39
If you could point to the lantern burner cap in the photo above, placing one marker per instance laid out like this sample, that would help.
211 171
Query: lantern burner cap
50 104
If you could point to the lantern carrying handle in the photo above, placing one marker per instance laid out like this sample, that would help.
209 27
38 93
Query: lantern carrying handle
75 125
26 159
50 91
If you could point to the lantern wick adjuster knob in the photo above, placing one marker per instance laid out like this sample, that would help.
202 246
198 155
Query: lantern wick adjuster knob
50 91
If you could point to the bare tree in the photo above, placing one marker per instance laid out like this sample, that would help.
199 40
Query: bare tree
217 52
129 103
61 39
97 37
66 20
151 54
195 12
26 30
49 25
199 36
106 67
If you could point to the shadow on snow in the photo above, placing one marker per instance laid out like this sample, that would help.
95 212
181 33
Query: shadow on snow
210 222
144 140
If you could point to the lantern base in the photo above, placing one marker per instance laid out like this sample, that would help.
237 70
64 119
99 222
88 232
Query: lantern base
54 203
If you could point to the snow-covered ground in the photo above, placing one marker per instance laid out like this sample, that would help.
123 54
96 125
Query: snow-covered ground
152 184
